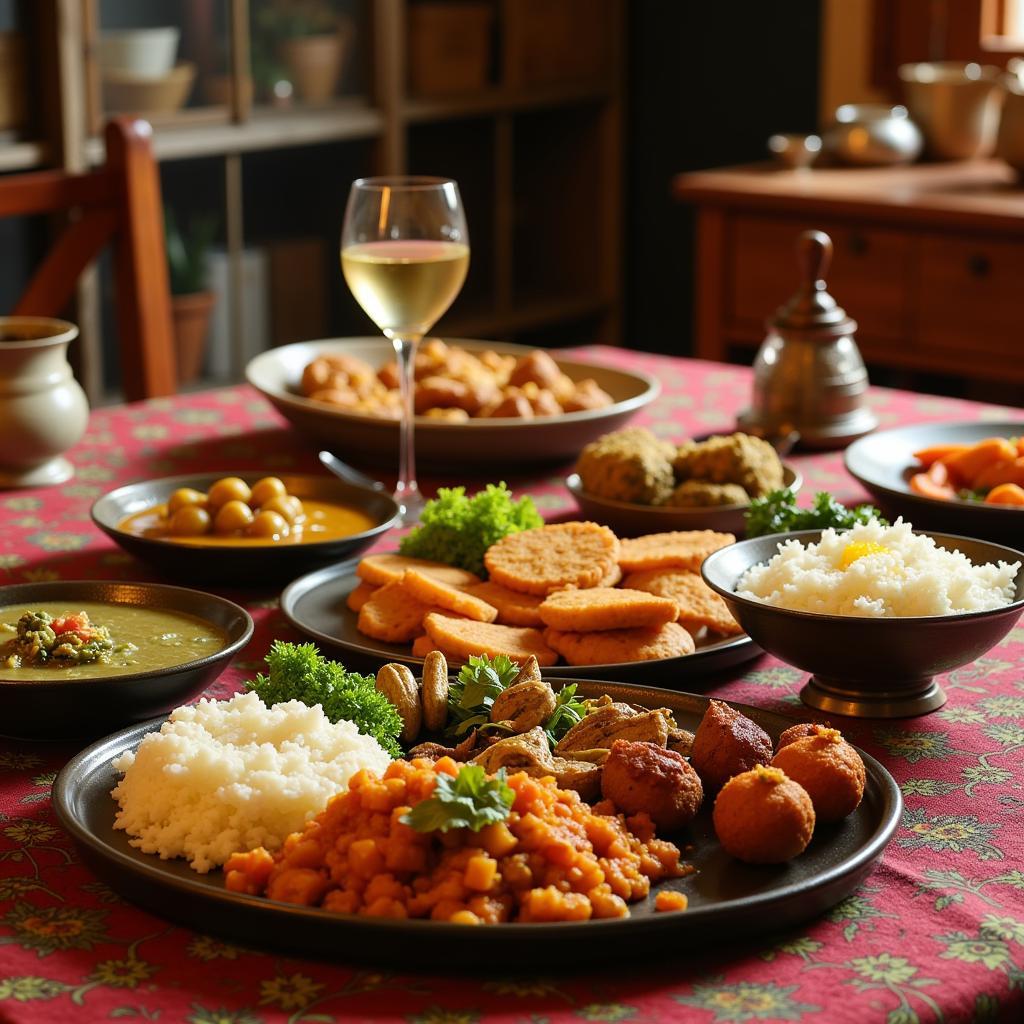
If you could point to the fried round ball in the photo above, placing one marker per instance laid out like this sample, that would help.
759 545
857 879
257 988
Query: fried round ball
184 496
762 816
645 777
266 488
797 732
727 743
829 769
189 521
232 516
228 488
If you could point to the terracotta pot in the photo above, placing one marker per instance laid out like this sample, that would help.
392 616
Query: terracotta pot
43 410
191 325
315 63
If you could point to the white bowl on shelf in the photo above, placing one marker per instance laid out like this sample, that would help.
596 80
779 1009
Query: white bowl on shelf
142 52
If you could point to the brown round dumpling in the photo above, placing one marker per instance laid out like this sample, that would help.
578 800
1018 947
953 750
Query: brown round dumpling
829 769
727 743
762 816
797 732
645 777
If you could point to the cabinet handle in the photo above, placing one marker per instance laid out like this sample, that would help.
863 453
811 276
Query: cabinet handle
979 265
857 244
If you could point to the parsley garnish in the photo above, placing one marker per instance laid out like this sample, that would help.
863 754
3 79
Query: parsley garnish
470 800
777 513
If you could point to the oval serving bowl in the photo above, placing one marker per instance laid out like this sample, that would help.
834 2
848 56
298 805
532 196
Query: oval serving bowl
865 666
883 462
492 441
725 896
252 564
629 519
68 708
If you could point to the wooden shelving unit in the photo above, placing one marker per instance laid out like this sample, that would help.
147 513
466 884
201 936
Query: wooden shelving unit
536 150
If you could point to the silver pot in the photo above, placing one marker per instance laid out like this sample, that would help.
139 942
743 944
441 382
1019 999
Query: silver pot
956 105
873 134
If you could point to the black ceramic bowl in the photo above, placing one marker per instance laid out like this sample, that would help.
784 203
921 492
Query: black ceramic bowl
71 708
249 564
870 667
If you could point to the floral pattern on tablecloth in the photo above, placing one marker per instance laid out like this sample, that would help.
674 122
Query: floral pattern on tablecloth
935 933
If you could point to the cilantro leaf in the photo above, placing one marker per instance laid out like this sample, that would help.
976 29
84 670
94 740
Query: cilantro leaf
778 513
300 672
458 530
479 682
470 800
569 710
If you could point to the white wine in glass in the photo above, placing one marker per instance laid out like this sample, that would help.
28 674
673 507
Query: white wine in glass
405 254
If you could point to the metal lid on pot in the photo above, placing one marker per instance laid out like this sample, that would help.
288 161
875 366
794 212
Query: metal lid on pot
812 312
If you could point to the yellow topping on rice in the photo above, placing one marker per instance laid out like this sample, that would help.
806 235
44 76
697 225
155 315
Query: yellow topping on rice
860 549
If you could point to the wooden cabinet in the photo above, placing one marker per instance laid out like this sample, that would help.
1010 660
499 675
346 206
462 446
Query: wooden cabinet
928 260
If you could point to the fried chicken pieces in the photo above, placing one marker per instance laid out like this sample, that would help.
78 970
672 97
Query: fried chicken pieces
454 384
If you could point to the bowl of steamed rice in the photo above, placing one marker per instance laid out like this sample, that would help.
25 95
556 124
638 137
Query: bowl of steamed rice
875 612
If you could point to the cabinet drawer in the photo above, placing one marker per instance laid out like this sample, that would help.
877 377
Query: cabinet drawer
971 296
869 274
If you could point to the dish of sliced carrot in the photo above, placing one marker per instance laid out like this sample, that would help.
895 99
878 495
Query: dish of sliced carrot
990 471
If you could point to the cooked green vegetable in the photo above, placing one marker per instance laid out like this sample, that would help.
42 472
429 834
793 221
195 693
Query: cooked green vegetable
300 672
470 800
458 530
777 513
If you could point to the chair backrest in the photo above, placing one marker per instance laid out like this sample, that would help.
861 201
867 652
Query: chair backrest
119 203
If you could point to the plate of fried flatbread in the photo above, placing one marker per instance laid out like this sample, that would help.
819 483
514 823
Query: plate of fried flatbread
571 595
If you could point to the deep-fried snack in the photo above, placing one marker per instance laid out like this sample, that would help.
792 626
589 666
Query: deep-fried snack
762 816
434 691
698 604
536 367
829 769
616 721
462 637
430 590
603 608
523 706
514 608
392 615
588 395
389 567
358 597
727 743
644 777
701 494
551 557
798 732
736 459
615 646
423 645
679 549
629 465
612 578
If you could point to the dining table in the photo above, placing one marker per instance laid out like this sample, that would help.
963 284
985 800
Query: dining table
934 933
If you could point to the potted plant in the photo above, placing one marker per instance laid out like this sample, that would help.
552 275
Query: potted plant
191 301
311 39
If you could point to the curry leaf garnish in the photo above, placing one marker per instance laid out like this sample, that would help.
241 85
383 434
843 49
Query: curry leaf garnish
470 800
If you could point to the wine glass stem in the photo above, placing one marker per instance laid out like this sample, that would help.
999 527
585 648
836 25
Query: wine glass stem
407 492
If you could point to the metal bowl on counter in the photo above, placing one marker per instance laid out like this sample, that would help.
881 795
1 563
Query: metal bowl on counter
873 134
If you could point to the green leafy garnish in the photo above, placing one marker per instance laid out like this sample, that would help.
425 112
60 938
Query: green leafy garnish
777 513
966 494
458 530
480 681
470 800
569 710
299 672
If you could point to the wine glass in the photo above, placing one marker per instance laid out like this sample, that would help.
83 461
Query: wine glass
404 254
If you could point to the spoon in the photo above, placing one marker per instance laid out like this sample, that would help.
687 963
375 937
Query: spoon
343 471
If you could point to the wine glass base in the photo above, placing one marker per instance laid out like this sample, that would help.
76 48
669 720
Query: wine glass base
411 503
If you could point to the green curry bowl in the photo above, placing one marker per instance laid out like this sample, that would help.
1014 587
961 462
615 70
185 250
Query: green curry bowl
141 650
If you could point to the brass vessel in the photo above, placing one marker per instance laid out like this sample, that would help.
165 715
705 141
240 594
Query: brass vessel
810 384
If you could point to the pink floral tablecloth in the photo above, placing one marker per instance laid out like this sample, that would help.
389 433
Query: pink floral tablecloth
936 933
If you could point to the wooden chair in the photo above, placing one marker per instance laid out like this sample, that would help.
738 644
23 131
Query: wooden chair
119 203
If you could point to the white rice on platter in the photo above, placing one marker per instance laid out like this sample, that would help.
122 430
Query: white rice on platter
888 571
223 776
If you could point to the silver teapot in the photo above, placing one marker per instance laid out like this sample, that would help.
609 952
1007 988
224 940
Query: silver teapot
810 384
